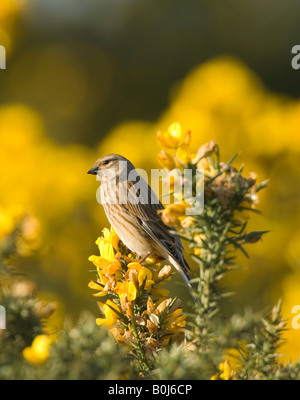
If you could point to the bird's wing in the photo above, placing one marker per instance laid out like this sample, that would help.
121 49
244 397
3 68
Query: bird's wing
149 219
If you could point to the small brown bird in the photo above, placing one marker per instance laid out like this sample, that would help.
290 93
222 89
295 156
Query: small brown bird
131 207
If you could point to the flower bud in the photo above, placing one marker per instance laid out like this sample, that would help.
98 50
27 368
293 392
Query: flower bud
152 327
206 149
133 277
166 160
150 305
164 273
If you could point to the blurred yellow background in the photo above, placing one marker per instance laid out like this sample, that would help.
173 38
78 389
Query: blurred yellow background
69 96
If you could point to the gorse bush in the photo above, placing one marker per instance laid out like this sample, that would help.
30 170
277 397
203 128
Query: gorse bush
141 331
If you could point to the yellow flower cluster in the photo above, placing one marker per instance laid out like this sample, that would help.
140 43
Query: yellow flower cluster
137 308
174 137
222 177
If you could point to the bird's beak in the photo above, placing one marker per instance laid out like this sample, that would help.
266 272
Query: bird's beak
93 170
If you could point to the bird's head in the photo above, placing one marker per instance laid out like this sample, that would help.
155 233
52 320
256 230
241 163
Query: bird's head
109 166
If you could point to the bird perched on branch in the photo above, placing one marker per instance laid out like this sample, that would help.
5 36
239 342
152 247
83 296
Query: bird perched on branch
132 208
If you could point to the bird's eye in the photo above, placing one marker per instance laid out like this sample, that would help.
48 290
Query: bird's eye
105 162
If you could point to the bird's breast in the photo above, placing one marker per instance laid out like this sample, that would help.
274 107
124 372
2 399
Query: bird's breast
125 224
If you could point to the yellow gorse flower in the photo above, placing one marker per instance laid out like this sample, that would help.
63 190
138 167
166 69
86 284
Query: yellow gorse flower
106 262
109 236
99 285
145 274
38 352
173 137
129 289
106 250
227 372
175 321
110 316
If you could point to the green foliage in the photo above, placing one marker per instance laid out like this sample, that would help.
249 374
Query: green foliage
85 351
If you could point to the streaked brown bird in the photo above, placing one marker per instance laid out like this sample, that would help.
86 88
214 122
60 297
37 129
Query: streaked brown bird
132 207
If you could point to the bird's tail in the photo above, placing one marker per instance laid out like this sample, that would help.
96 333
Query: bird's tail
182 269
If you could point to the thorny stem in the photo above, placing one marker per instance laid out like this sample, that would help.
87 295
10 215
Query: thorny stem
142 359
